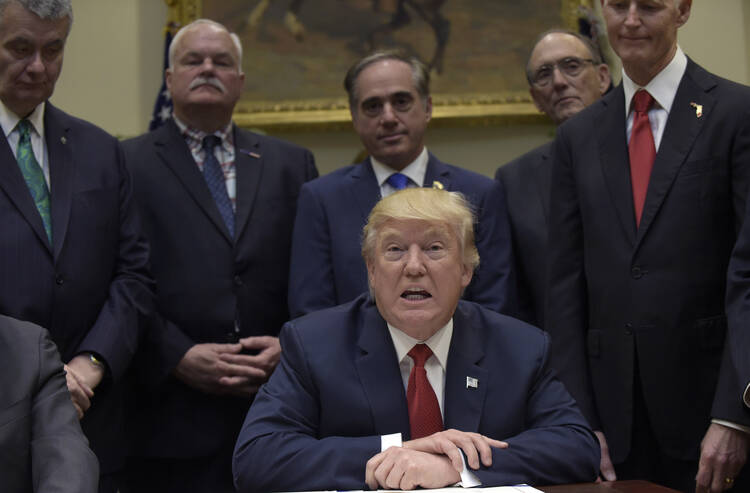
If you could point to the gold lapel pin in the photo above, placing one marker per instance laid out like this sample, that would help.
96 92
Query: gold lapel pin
438 185
698 109
63 140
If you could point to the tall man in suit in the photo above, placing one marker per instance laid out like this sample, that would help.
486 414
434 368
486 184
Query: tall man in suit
42 447
388 390
565 73
71 256
649 188
218 204
389 100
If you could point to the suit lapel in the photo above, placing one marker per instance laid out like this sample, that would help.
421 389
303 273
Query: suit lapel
171 148
364 188
613 154
60 144
249 162
543 178
437 174
380 375
680 132
14 185
462 401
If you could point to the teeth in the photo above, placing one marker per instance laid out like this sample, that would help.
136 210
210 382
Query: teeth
415 294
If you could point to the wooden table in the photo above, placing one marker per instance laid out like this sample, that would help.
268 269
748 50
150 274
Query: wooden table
608 487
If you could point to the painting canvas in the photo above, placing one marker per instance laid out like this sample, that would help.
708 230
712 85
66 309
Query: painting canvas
296 52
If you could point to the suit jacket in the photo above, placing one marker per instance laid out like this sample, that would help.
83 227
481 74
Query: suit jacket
327 267
208 281
526 183
89 287
338 388
652 295
42 447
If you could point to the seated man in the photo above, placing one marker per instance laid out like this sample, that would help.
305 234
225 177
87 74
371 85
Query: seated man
407 362
42 447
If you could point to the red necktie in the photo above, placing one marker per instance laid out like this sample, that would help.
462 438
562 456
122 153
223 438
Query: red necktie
642 151
424 410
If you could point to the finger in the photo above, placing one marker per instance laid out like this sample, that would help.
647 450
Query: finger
395 473
250 372
606 469
467 443
226 348
370 469
703 478
259 362
258 342
72 378
482 445
496 443
79 411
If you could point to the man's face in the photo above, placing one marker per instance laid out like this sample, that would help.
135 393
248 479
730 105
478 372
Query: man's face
417 275
389 115
565 95
31 56
206 70
643 33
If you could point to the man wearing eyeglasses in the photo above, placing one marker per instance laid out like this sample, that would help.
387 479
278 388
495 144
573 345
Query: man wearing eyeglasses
565 73
649 189
390 104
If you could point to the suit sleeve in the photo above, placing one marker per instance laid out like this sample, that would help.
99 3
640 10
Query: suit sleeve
60 456
557 446
311 282
494 285
114 336
279 448
567 307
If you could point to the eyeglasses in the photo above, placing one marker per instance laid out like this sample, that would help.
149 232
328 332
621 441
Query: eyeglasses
569 66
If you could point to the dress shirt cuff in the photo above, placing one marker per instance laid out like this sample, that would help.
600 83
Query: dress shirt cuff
746 395
734 426
468 478
388 441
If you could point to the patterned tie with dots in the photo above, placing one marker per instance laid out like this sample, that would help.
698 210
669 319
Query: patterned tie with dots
424 410
33 175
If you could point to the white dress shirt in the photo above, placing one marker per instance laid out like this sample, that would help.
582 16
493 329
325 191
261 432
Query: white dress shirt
415 171
8 122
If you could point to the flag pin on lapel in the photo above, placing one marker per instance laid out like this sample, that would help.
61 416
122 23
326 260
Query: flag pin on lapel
698 109
439 186
472 383
250 153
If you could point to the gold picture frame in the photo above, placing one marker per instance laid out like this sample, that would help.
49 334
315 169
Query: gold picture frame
482 107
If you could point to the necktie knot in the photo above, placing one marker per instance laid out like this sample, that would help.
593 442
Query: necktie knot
642 101
398 181
24 129
420 353
210 142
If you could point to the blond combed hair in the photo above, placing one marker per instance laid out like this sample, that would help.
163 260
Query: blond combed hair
424 204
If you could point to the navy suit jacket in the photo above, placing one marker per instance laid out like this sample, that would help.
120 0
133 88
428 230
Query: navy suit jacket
89 287
42 447
338 388
526 183
327 267
208 281
657 291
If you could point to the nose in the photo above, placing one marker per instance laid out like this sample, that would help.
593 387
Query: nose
207 65
36 64
414 261
388 116
558 78
632 19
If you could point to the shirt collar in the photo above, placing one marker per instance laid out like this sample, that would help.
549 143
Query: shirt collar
416 170
195 137
439 343
663 87
9 120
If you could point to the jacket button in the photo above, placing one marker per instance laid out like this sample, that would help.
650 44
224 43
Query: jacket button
237 281
636 272
59 280
628 329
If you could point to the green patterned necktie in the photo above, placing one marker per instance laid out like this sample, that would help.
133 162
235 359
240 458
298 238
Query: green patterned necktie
33 175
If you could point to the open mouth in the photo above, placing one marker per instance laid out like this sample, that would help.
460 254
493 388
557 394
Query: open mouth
415 295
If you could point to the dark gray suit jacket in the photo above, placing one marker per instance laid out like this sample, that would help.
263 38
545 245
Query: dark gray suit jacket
42 447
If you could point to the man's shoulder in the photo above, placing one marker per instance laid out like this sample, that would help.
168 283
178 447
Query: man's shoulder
56 116
495 330
247 137
511 170
337 180
18 336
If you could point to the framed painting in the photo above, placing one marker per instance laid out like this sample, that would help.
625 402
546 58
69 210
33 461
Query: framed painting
296 52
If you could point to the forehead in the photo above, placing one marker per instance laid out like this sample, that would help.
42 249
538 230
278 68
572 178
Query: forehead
414 231
18 23
556 46
384 78
206 39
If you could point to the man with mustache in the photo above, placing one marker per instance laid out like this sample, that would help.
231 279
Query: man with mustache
218 204
390 105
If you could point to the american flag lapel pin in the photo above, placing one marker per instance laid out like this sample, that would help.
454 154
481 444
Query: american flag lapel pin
250 153
472 383
438 185
698 109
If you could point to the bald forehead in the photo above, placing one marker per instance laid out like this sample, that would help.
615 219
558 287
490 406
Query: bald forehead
556 45
193 37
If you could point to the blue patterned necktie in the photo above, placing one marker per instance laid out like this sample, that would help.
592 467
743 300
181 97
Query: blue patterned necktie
398 181
214 177
33 175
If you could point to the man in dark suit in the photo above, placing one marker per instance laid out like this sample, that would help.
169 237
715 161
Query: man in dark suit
390 105
565 73
71 256
646 203
42 447
218 205
391 390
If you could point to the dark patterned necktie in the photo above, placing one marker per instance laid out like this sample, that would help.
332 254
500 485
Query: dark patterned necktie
33 175
642 151
214 177
424 410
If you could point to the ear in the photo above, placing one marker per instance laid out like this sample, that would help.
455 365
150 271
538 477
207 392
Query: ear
428 107
466 275
604 78
684 11
168 78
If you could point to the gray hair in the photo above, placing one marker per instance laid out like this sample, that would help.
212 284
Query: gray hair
596 56
420 73
177 37
45 9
